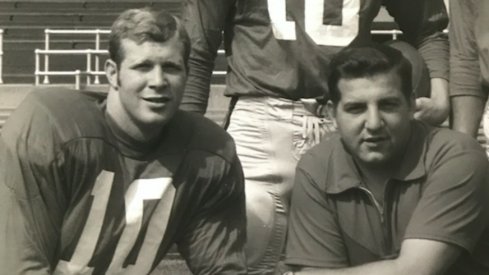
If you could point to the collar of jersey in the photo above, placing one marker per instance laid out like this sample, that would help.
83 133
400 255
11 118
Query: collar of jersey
133 148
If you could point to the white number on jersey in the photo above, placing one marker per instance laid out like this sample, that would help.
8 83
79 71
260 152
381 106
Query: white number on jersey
138 191
327 35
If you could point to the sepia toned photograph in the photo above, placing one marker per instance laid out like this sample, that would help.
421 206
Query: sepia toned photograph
261 137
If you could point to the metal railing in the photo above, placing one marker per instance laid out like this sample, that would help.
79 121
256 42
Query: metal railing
92 68
89 72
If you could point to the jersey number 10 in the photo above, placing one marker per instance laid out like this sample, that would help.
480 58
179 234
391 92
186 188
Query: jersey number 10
328 35
138 191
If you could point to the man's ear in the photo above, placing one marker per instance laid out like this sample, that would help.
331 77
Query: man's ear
330 108
111 72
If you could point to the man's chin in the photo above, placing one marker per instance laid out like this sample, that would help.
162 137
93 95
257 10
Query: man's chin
376 159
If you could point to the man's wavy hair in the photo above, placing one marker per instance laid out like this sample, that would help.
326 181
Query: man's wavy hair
146 24
369 61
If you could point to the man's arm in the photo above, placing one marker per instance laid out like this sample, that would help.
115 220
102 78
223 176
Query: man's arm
417 256
467 97
434 109
204 21
422 23
482 36
213 242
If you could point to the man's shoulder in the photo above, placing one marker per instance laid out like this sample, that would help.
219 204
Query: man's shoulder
62 104
451 140
204 135
318 161
63 98
444 144
47 120
55 112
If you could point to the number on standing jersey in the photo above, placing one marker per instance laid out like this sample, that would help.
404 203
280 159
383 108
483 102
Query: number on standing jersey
138 191
327 35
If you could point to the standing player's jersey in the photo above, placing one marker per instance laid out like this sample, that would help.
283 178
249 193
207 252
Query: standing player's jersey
282 48
78 196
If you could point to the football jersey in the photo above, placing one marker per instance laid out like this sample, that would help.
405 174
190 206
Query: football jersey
282 48
79 196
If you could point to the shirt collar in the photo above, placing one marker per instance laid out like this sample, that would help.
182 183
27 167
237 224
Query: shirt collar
343 173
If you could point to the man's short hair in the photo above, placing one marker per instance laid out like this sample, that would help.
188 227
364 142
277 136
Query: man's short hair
146 24
369 61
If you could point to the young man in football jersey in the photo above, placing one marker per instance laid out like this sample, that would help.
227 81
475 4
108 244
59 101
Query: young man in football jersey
469 63
276 54
95 185
387 194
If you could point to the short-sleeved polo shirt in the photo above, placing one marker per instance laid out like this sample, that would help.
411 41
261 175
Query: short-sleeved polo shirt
440 192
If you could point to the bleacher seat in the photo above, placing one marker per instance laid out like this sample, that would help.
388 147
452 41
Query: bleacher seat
24 22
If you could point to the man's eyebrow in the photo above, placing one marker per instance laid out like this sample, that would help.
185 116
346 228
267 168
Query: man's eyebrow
137 62
391 98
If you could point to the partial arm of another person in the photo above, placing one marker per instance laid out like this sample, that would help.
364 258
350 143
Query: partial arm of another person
482 36
422 23
204 21
467 97
434 109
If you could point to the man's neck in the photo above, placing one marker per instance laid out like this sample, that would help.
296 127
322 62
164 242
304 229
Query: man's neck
125 124
375 177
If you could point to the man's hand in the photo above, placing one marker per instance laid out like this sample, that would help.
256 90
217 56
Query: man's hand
434 110
429 111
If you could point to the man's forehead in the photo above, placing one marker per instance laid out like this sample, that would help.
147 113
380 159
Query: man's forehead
382 85
135 49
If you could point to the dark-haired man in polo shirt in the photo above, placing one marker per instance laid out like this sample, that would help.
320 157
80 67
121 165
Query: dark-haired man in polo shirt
388 194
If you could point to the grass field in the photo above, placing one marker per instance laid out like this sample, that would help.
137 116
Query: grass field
172 267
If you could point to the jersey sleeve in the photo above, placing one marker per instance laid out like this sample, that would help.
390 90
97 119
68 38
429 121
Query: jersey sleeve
213 241
464 57
30 215
204 21
453 207
483 41
422 23
314 236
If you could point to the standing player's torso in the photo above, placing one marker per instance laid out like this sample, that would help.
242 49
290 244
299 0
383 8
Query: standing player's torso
282 47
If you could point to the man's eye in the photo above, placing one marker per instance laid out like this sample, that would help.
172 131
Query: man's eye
173 68
354 109
143 67
390 106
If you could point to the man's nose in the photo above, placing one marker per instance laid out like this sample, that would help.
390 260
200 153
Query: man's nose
157 78
374 119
